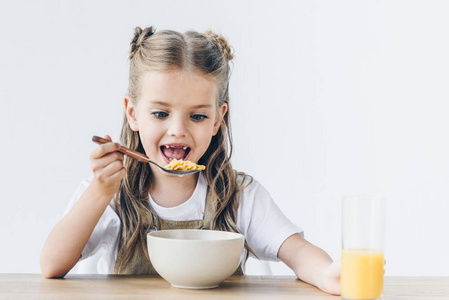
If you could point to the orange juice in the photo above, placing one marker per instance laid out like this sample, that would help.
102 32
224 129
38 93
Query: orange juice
362 273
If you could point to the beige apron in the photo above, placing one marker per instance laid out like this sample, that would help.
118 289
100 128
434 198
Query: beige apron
139 263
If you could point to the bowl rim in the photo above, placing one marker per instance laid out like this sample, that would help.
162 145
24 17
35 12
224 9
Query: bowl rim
237 235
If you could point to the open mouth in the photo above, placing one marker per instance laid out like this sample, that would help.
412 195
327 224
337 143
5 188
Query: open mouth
175 151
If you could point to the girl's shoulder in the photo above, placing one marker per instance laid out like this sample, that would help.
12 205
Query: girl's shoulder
245 180
252 192
248 185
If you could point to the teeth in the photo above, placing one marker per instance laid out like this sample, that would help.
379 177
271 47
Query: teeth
167 146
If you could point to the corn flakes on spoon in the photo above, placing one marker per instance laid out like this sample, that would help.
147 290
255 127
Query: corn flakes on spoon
177 167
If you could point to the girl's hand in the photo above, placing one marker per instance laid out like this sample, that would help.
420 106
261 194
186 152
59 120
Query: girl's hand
331 278
107 165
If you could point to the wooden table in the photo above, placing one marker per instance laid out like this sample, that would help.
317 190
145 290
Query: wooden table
35 286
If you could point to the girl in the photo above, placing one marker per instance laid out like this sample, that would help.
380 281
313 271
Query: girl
177 106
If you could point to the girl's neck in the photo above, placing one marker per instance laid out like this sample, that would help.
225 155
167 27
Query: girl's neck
172 192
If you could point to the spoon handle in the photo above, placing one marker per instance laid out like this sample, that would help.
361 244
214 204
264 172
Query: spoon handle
134 154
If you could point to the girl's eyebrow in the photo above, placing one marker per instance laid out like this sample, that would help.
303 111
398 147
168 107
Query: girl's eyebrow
162 103
202 106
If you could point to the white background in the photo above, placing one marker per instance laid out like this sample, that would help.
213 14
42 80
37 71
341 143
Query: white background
342 97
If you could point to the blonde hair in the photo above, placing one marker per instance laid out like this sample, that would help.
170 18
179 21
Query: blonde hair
207 54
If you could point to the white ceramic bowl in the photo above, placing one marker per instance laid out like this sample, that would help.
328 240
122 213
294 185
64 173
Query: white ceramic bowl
193 258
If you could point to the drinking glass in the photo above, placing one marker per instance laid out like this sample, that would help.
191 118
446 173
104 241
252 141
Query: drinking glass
363 235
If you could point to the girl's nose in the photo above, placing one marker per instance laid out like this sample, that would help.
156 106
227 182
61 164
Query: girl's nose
177 127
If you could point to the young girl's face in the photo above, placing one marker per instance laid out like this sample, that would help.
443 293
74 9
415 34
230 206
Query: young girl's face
176 115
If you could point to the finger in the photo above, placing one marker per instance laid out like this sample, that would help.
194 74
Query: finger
104 149
110 157
335 288
107 173
108 137
104 161
113 167
334 269
332 275
119 174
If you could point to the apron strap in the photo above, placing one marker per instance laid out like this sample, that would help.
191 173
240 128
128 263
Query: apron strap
209 210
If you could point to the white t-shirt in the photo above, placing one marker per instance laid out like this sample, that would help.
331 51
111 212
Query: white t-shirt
260 220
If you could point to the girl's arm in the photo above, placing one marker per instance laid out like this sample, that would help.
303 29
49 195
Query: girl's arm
311 264
66 241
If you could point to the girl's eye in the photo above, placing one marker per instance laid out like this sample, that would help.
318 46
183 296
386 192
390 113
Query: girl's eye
160 114
198 117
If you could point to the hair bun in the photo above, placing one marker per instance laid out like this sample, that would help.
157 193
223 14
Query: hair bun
140 35
221 43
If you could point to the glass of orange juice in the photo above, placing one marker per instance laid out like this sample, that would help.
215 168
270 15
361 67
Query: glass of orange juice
363 235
